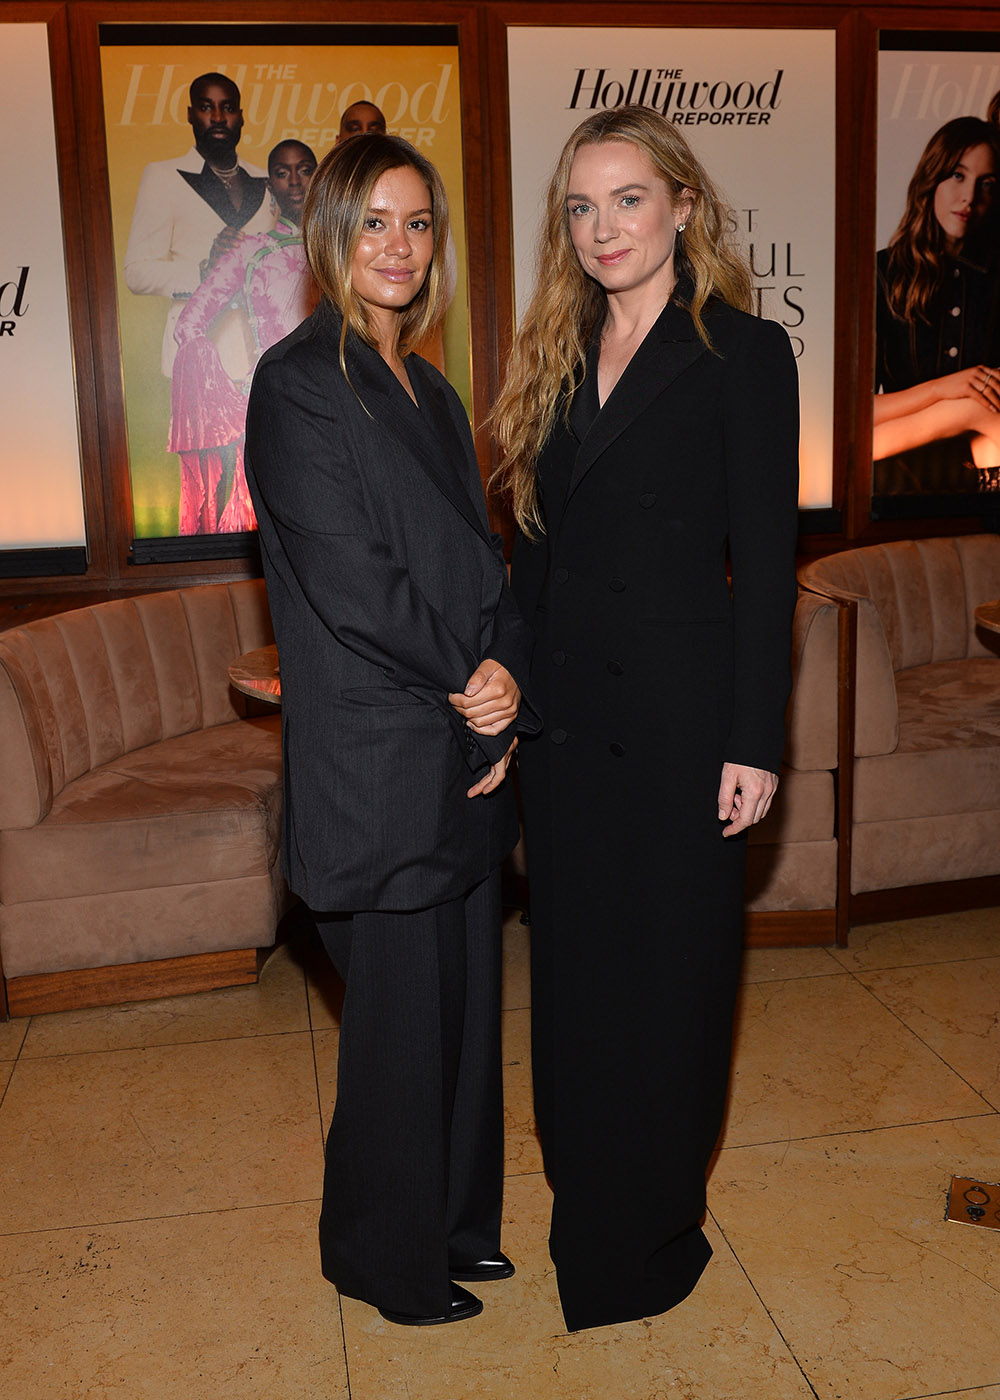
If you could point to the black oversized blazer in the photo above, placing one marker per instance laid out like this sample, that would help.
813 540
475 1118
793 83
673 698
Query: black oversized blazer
386 590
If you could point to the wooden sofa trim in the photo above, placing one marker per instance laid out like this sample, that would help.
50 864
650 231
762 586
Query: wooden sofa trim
143 981
790 928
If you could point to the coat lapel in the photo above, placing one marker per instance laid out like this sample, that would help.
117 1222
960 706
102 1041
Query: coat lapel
671 347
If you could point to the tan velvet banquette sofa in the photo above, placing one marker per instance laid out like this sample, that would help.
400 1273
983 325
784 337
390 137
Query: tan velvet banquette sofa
923 793
791 894
139 801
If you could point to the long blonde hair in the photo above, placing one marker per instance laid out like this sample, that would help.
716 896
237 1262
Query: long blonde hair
336 204
550 347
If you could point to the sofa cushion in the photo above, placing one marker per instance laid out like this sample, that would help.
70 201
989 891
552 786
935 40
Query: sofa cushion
130 926
922 850
803 809
198 807
799 875
948 756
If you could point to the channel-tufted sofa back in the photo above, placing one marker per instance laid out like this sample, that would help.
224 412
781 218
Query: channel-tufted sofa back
925 592
82 689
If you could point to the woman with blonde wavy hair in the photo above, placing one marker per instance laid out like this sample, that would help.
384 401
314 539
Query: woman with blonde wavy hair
399 645
649 428
935 320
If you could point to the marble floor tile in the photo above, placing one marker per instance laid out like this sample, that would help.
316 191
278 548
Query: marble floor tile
955 1009
6 1070
12 1035
276 1004
227 1306
974 933
990 1392
844 1238
516 963
781 964
522 1150
717 1345
131 1134
517 1037
822 1055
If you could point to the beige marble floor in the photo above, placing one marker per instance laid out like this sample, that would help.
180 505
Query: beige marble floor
160 1165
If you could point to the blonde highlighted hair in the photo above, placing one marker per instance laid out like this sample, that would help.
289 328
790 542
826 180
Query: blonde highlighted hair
336 206
548 356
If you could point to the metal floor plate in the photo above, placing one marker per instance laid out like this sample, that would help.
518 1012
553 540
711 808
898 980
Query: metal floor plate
974 1202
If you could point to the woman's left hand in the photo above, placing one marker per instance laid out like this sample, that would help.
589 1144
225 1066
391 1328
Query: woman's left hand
490 700
744 796
495 776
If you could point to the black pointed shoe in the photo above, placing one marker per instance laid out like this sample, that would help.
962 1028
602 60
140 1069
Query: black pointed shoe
463 1305
485 1270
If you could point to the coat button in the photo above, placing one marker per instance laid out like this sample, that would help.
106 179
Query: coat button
647 499
561 575
616 668
558 736
559 658
617 585
618 750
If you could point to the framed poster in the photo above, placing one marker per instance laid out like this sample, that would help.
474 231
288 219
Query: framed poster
203 125
759 108
42 527
936 408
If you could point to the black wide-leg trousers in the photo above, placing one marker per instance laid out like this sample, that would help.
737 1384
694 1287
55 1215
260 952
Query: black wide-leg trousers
414 1157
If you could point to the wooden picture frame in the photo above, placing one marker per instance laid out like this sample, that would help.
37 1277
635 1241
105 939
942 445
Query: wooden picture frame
969 30
59 563
823 524
214 554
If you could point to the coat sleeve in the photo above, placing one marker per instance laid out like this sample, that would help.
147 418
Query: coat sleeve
310 485
512 641
512 644
761 426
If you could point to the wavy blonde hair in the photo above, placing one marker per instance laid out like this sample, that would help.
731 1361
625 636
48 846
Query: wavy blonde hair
336 205
548 356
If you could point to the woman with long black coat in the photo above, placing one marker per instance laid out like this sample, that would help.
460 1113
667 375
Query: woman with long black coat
650 429
399 645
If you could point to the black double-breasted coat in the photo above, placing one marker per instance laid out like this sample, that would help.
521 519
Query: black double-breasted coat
651 673
386 590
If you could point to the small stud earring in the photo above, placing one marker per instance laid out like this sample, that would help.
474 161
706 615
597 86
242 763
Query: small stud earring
681 228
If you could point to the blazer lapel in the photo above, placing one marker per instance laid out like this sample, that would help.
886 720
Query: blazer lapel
426 433
252 190
671 347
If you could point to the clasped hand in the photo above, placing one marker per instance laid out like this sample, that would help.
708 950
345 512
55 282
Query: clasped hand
981 382
488 705
744 796
490 700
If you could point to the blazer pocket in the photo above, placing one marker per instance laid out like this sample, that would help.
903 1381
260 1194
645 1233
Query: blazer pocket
380 697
